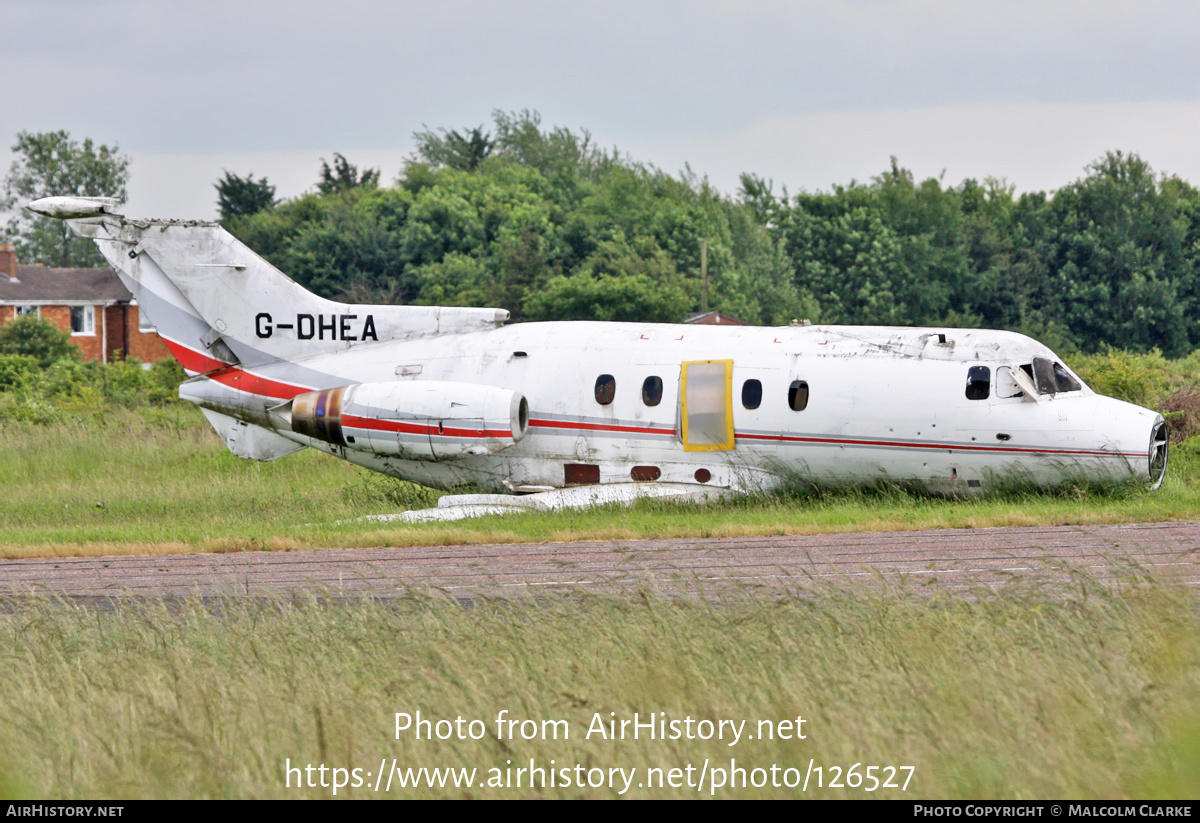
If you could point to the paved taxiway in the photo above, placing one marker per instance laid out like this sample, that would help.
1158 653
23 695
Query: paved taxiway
937 559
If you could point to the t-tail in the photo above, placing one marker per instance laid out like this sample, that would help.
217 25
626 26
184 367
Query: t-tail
225 312
217 304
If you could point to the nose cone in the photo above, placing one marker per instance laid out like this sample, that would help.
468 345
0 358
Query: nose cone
1138 434
74 208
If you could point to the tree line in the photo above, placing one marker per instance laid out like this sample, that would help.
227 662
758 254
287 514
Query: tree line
547 224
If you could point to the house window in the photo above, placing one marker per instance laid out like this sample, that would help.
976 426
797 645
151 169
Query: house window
83 320
26 311
144 324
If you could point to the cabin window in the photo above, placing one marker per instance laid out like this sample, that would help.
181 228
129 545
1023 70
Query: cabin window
83 320
652 391
798 395
606 389
979 382
752 394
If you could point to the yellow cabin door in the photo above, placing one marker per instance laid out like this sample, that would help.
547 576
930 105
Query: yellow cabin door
706 405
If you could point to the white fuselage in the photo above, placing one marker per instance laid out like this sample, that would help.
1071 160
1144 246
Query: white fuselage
449 396
883 404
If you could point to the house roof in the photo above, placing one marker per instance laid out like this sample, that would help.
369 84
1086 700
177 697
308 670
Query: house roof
40 284
714 318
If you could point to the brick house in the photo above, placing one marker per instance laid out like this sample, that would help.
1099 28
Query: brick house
714 318
92 304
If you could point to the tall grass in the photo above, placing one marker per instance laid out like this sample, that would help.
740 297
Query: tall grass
98 460
1084 692
159 480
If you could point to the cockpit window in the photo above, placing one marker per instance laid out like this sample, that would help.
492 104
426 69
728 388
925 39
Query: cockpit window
1043 375
1064 379
979 382
1051 377
1006 384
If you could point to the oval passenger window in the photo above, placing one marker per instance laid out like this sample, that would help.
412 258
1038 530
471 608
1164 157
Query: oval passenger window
798 395
979 382
652 391
752 394
606 389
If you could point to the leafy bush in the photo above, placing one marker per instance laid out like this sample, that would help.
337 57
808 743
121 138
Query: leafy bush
18 371
37 338
75 388
1136 378
1182 411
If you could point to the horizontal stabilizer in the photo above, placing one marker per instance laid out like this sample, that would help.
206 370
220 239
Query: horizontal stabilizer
250 441
75 208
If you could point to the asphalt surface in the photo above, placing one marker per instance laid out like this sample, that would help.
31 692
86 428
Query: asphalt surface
937 560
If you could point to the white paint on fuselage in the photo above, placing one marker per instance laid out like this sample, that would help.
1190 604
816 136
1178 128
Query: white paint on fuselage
885 403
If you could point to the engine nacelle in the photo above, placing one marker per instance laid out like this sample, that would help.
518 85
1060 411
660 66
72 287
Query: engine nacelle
419 419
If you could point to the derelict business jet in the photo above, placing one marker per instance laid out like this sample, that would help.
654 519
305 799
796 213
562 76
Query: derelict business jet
449 396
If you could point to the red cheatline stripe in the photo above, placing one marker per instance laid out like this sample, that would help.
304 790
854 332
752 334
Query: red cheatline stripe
948 446
193 360
372 424
606 427
783 438
232 376
243 380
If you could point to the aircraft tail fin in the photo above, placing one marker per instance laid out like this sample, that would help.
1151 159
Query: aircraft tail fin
217 303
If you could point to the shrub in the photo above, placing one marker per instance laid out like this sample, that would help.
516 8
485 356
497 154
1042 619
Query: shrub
37 338
1182 410
1136 378
19 371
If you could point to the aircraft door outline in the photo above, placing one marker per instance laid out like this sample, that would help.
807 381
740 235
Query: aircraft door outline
706 405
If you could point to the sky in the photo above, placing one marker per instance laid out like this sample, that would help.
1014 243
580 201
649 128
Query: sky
807 93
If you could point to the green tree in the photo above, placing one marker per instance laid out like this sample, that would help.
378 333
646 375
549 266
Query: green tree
1118 265
345 176
37 338
49 164
630 298
243 196
458 151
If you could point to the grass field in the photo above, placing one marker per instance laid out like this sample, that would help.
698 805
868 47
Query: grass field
1094 693
1089 691
159 480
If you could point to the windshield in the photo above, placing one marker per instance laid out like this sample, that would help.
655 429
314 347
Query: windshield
1052 377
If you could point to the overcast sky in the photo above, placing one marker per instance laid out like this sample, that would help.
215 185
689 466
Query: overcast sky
807 93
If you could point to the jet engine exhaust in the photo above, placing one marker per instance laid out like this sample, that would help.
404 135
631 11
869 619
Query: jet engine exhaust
318 415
